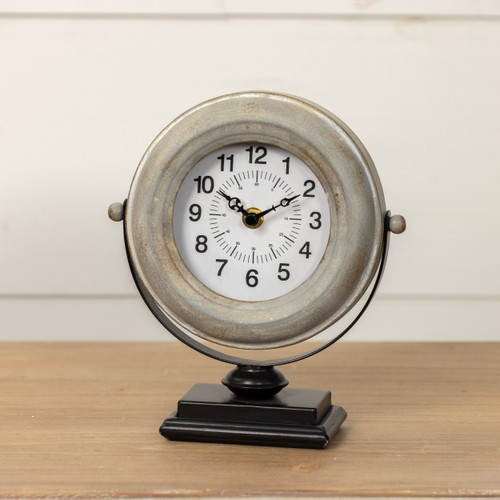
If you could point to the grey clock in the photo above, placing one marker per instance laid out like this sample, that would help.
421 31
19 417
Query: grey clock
255 220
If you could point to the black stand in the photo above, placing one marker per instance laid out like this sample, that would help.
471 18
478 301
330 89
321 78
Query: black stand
250 411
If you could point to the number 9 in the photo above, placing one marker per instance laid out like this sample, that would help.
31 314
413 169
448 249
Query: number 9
195 211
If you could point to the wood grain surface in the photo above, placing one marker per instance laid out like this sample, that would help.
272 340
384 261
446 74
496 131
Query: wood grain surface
81 419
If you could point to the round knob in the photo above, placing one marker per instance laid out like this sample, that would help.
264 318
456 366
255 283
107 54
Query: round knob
397 224
116 212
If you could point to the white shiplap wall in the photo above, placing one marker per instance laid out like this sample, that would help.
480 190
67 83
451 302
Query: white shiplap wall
86 86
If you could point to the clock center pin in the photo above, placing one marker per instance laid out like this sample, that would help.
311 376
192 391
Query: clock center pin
251 221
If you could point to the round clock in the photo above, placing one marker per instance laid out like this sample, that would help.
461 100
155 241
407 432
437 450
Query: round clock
254 221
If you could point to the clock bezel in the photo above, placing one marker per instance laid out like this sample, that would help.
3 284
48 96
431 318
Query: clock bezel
348 176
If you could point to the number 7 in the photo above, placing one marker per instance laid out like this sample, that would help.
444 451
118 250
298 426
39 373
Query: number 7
224 262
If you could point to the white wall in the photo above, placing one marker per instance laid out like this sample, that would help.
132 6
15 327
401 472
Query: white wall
86 85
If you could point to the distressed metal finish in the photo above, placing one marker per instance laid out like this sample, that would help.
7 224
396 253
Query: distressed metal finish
357 211
397 224
116 212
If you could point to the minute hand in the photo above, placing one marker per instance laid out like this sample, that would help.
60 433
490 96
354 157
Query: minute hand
283 203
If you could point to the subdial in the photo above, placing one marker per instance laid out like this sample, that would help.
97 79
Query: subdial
257 236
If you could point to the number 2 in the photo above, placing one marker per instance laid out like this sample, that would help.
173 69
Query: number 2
307 192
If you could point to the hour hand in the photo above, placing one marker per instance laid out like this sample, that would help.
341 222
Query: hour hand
233 202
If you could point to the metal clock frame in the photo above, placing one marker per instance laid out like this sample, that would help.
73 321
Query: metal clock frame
355 254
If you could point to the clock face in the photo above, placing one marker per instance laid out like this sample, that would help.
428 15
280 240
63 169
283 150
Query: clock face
251 221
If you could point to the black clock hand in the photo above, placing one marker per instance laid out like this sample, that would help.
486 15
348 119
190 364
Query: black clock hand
252 219
234 203
286 201
283 203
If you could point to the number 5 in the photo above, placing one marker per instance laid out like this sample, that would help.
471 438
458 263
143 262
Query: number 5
283 272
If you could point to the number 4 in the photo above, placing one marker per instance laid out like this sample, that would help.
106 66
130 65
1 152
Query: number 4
306 249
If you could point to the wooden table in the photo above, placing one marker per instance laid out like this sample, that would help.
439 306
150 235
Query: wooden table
81 419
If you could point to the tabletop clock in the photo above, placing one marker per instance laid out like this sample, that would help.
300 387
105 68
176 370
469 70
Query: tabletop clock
254 222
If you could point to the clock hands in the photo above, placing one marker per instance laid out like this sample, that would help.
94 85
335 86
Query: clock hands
252 217
234 203
283 203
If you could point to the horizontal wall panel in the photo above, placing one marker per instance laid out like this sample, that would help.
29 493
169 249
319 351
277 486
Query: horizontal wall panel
259 7
128 319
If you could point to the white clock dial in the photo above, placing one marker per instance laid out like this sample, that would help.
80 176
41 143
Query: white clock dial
251 221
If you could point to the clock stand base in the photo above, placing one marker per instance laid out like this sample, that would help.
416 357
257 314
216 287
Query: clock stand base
294 418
